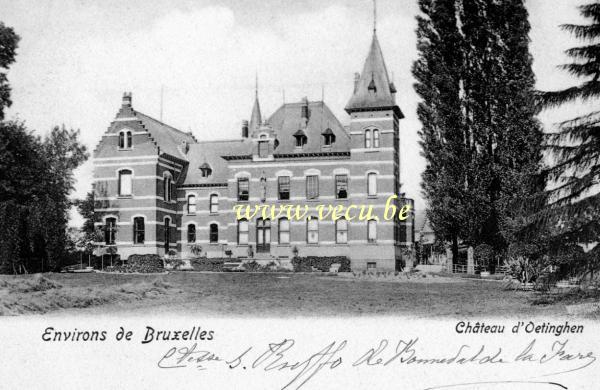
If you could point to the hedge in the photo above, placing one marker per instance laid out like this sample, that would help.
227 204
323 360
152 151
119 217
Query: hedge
205 264
322 263
141 264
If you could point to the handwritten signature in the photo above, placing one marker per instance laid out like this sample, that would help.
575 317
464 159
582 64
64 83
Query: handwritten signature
277 357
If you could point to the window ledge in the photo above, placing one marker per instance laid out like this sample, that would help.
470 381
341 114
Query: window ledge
191 214
214 213
125 197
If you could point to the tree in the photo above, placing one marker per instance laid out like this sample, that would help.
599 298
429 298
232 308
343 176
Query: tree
90 233
574 213
439 73
8 47
480 137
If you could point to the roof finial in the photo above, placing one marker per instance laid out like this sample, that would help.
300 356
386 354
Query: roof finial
374 16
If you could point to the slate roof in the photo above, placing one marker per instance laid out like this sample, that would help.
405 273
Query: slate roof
168 138
374 89
211 152
287 121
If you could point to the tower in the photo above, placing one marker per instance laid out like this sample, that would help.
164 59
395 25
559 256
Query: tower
375 137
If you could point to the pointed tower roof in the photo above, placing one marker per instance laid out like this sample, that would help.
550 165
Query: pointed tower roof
256 118
373 88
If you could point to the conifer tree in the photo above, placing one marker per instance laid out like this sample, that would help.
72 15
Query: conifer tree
575 171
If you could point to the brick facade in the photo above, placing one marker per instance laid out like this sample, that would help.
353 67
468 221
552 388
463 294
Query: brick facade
301 149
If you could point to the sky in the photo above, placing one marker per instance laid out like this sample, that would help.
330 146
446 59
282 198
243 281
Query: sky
76 58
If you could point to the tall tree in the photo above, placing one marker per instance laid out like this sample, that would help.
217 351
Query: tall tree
8 47
480 136
438 72
575 172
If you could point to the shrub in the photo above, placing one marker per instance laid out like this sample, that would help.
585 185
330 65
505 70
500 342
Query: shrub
205 264
141 264
322 263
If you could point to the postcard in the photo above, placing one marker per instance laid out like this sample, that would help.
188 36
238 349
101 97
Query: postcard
228 194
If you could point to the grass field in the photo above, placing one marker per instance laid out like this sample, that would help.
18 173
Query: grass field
253 294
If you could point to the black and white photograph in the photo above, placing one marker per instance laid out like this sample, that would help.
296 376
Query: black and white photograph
300 194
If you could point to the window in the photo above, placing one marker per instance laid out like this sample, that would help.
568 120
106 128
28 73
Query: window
341 231
214 203
125 140
138 230
110 231
371 265
242 232
375 138
312 187
312 230
191 204
167 234
367 139
125 184
167 187
191 233
213 235
205 170
283 187
341 186
372 230
263 149
284 231
372 184
301 138
243 188
328 137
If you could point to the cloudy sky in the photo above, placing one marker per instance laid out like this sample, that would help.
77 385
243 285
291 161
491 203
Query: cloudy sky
77 57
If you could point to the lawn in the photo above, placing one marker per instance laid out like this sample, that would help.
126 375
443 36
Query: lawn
253 294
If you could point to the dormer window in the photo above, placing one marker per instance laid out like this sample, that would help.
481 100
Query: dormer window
205 170
328 137
125 139
301 138
263 149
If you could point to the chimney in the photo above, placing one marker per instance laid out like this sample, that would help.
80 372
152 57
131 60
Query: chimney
127 99
304 111
356 80
244 129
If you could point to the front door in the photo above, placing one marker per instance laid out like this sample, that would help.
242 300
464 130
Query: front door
263 235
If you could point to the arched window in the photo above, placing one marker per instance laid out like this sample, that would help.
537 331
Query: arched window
213 233
214 203
328 137
243 188
125 140
367 139
242 232
125 182
167 234
167 187
372 184
375 138
191 204
205 170
191 233
139 230
284 231
312 230
372 230
301 138
341 231
110 231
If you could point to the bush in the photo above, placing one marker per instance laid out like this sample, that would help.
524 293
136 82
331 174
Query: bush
322 263
140 263
205 264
